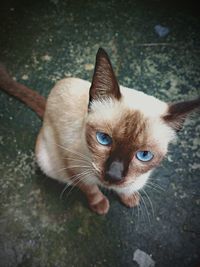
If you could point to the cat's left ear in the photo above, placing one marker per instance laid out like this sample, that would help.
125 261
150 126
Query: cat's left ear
177 112
104 82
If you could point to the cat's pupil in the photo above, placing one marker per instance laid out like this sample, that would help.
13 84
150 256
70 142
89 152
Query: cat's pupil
145 153
104 137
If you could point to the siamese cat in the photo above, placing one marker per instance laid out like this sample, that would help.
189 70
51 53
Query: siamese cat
101 134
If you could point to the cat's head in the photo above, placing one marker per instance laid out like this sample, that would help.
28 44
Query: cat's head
127 131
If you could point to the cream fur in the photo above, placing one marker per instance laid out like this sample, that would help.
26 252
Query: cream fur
62 133
133 187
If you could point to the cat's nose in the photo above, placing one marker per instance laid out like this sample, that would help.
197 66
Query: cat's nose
114 173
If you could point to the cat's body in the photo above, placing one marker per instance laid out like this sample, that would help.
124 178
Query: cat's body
102 134
63 127
62 151
63 133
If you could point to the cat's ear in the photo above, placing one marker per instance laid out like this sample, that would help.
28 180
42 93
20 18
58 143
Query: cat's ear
177 112
104 82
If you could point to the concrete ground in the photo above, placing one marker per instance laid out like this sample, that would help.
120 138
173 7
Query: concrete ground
43 41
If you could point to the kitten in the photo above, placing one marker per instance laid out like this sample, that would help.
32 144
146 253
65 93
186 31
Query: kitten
101 134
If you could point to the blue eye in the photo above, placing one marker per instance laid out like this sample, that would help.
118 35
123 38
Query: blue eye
103 139
144 155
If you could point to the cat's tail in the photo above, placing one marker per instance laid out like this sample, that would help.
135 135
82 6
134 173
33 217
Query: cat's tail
26 95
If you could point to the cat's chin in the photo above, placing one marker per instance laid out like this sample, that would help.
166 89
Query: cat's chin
120 186
105 183
118 183
127 186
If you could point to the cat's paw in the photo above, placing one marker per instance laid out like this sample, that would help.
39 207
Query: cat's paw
130 201
100 207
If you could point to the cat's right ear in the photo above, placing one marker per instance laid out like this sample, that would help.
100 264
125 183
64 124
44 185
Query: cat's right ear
104 82
178 112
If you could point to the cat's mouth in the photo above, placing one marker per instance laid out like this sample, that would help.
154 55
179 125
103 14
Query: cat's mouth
114 182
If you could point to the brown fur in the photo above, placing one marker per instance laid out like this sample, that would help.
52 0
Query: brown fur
177 112
67 148
104 77
31 98
129 135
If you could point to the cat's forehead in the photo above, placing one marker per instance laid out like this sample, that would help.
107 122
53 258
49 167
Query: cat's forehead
148 105
130 127
136 118
133 100
132 104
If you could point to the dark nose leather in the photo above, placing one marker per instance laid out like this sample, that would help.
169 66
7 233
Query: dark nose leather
114 173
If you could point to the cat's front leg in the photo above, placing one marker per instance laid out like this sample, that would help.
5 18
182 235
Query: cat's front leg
130 200
97 201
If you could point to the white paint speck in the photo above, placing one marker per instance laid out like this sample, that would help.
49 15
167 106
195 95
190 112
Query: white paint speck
25 77
46 57
143 259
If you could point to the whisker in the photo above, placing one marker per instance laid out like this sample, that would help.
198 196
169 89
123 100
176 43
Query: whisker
146 209
66 186
75 152
78 160
141 208
95 167
156 186
79 180
64 189
75 166
150 202
77 177
138 213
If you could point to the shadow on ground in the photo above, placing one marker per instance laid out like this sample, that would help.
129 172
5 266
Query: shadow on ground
43 41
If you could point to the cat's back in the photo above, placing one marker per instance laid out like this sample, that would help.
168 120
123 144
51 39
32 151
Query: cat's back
69 96
70 89
73 86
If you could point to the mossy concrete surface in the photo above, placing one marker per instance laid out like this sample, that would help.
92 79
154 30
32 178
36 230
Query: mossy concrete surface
44 41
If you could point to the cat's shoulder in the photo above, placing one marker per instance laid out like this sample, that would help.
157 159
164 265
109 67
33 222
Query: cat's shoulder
72 86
